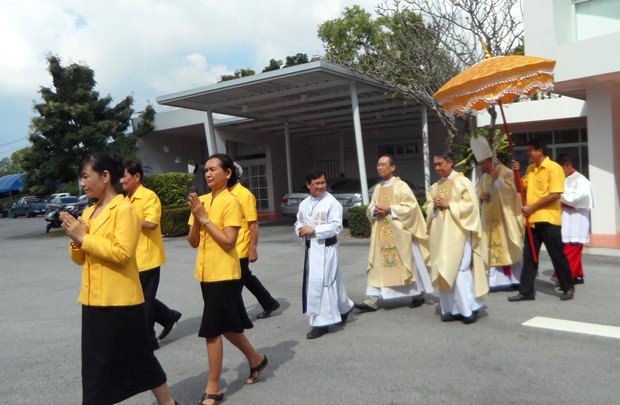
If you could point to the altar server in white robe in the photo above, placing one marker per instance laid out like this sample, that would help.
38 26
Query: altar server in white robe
319 221
458 260
577 201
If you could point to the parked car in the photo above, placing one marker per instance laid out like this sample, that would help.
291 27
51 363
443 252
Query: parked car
60 202
348 192
76 208
29 206
290 201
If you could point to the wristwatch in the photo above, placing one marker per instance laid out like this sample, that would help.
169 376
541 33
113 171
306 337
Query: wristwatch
206 222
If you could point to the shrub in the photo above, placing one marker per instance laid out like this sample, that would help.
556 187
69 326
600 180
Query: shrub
359 226
174 221
172 188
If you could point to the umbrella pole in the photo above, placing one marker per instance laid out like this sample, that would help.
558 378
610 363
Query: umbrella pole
519 184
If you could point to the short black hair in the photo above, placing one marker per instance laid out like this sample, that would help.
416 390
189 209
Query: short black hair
314 174
226 163
391 157
564 160
538 144
101 161
134 167
445 155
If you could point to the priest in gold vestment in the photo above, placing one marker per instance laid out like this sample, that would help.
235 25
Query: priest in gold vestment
398 253
457 259
502 219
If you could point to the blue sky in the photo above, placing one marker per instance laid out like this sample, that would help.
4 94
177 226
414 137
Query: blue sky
146 48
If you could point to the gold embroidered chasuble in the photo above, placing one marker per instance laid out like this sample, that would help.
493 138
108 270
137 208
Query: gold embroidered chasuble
390 261
448 229
502 219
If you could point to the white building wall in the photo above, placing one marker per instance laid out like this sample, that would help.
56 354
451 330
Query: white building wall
583 38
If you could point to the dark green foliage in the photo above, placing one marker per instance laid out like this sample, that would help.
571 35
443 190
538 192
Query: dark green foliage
74 121
174 221
273 65
295 60
172 188
238 73
359 226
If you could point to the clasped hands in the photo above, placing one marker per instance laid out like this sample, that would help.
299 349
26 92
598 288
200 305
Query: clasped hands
383 210
441 202
197 208
75 228
305 231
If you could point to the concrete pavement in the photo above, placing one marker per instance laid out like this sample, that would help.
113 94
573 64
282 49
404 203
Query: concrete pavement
393 356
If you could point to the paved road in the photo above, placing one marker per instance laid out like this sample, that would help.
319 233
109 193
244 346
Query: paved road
394 356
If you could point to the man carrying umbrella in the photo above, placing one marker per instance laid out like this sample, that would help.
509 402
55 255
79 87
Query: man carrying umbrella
544 181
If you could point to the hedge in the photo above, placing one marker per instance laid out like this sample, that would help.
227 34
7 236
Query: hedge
174 221
359 226
172 189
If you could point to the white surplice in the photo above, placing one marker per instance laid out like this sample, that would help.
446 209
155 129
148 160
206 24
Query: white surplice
327 297
576 218
461 300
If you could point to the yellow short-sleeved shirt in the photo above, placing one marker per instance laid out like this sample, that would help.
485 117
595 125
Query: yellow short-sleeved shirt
213 263
150 252
540 181
248 206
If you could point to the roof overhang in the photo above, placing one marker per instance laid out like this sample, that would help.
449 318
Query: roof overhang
313 98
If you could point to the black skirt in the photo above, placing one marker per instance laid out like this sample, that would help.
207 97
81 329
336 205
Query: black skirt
117 358
224 310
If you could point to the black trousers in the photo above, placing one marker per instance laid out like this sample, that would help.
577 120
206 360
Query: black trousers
154 309
253 284
551 236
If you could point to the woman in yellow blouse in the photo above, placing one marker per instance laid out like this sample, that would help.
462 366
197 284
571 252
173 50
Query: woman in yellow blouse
117 360
215 222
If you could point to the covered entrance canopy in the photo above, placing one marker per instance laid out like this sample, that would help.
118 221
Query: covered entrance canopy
304 100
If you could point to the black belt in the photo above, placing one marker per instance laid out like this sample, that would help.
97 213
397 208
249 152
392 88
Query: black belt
328 242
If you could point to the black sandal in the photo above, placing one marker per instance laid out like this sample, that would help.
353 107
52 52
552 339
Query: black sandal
257 369
218 398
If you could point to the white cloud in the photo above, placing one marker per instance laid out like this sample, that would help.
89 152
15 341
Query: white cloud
152 47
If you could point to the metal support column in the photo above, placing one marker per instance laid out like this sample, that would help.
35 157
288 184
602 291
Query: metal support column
361 159
425 148
289 169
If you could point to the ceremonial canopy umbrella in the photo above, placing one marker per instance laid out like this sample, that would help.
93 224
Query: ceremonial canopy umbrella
498 80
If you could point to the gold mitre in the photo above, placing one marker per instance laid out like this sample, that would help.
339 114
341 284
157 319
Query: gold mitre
481 148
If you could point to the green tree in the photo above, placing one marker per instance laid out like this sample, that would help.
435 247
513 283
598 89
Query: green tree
298 59
273 65
73 121
397 49
238 74
12 165
416 46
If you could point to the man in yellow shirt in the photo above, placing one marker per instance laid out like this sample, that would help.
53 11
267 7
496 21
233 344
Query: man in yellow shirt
150 253
247 243
544 183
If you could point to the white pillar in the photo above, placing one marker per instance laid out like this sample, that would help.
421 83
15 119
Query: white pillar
341 153
425 148
287 147
603 101
210 134
361 159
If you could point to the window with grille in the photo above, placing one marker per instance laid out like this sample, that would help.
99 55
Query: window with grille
255 179
573 142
